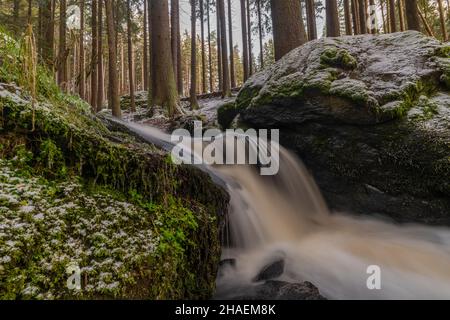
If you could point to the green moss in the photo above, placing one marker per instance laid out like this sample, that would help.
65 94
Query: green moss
339 58
226 114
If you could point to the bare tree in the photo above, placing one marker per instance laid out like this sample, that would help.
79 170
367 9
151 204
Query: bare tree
311 20
193 90
332 20
130 58
244 40
226 89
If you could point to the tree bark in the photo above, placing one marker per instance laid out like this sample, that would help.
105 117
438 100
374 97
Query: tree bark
287 28
362 17
165 87
347 17
202 32
48 39
332 19
193 88
250 43
130 58
442 20
392 17
311 20
230 32
145 49
226 90
244 40
94 56
175 42
62 55
211 76
261 47
112 53
412 15
401 15
355 17
81 71
219 49
100 89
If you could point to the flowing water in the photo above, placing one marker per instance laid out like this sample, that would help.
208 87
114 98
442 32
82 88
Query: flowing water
285 216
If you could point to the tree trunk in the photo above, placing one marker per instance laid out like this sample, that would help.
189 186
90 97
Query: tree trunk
392 17
202 28
412 15
250 43
100 75
373 17
332 19
94 56
30 11
287 28
355 17
193 89
62 54
211 76
81 72
145 49
150 80
112 50
219 49
130 58
230 30
401 15
48 38
244 40
442 20
226 90
261 47
175 42
348 19
362 17
311 20
165 90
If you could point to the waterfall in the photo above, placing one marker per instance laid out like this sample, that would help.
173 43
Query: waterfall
286 217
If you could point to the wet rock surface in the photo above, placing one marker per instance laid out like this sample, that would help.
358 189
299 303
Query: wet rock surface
370 117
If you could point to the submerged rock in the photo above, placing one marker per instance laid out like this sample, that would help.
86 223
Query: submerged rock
280 290
364 111
271 271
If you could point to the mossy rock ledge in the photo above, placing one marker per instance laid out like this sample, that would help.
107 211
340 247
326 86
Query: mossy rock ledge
79 194
370 116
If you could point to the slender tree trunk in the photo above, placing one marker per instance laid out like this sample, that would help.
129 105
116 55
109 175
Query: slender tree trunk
62 59
311 20
401 16
250 42
392 17
261 47
175 43
219 49
332 20
373 17
412 15
244 40
48 39
165 90
82 73
130 58
442 20
202 28
425 22
362 16
347 17
226 90
112 48
151 86
385 17
193 89
94 56
355 17
211 76
30 11
145 48
100 96
230 32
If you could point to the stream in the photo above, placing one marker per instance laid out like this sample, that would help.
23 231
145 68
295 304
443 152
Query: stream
285 217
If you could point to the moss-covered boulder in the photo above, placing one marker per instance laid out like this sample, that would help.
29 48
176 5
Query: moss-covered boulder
76 194
370 115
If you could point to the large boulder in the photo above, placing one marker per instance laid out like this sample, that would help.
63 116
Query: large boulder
370 117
